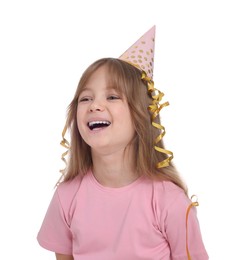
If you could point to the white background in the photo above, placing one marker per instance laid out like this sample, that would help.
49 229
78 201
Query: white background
44 48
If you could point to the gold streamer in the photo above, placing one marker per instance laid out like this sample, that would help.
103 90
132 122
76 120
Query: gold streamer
193 204
66 145
155 108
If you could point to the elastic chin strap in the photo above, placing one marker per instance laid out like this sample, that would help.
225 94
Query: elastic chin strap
155 108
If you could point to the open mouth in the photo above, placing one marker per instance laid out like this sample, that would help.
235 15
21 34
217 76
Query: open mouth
94 125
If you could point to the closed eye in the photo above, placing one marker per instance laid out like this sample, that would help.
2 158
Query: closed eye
113 97
84 99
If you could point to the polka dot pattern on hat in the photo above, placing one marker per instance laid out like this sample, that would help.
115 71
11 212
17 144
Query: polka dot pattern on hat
141 53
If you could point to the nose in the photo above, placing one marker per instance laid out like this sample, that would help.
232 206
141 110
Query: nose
96 106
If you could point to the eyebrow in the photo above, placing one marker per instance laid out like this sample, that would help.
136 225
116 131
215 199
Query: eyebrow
107 88
84 89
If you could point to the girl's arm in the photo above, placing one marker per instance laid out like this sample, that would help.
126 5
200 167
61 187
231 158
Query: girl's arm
63 257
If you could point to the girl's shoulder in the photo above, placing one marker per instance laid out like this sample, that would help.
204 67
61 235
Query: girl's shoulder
66 191
69 187
166 193
165 187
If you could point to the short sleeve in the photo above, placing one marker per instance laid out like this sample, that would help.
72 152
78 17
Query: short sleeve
55 234
176 232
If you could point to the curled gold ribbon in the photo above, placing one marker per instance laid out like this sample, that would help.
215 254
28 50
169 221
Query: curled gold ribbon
193 204
66 145
155 108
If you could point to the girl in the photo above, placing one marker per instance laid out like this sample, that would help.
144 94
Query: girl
121 197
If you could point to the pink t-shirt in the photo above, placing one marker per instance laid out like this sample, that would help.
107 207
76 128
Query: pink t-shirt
145 220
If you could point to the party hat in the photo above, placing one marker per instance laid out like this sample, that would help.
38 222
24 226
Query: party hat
141 53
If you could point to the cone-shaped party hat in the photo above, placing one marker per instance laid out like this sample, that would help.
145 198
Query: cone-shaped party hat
141 53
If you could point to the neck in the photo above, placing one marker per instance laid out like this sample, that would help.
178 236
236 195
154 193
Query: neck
114 170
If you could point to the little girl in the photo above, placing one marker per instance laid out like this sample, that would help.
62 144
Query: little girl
121 197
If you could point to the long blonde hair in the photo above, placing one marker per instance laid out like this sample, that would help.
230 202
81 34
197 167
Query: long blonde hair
127 80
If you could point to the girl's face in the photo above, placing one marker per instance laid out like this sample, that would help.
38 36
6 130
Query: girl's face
103 116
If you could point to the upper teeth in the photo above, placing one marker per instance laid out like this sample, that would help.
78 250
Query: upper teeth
98 122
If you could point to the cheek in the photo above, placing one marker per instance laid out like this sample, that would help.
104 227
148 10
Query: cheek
127 120
79 118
